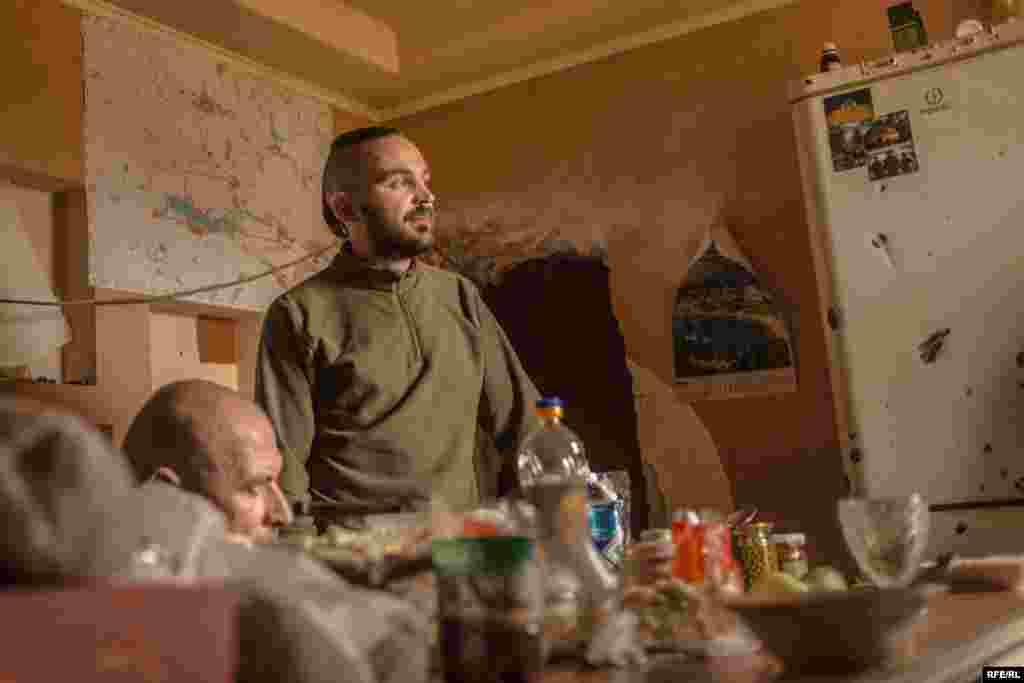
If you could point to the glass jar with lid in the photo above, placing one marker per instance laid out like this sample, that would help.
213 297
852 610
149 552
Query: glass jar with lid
650 560
791 550
757 553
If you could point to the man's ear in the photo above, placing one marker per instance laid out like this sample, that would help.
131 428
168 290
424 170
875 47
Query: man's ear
343 206
166 475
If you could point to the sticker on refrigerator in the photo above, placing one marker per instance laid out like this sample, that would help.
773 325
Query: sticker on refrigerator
848 116
889 143
935 101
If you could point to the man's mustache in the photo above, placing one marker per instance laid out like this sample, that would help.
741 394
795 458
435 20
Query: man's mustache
417 213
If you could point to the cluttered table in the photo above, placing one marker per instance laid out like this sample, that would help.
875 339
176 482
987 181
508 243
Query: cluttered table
959 634
747 621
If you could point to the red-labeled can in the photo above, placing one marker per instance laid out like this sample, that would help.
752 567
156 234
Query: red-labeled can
721 570
688 538
704 554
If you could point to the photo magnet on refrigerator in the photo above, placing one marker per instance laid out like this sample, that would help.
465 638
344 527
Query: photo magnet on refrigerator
889 142
848 116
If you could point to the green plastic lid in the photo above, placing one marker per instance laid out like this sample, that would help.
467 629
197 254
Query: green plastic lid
901 14
480 555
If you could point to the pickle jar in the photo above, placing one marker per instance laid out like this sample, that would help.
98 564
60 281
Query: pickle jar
757 552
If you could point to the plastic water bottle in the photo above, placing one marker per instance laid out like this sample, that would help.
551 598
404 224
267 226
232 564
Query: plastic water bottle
552 453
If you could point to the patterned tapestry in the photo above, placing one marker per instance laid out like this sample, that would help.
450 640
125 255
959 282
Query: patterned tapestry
729 335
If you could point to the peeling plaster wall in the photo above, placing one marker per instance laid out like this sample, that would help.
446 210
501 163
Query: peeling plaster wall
636 154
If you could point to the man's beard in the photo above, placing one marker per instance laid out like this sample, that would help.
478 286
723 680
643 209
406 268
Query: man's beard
260 535
394 242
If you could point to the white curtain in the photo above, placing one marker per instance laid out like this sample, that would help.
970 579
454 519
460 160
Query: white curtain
27 333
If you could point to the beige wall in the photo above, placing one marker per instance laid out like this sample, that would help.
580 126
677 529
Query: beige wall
344 120
643 148
41 101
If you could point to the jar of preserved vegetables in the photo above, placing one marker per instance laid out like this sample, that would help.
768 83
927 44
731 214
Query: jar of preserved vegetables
791 549
757 552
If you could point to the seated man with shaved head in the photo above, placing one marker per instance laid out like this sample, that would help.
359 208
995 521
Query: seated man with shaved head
209 440
72 515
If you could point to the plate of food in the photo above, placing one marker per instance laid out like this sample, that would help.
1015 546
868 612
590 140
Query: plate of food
676 617
376 555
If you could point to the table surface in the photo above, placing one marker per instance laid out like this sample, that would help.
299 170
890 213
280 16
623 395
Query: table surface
960 633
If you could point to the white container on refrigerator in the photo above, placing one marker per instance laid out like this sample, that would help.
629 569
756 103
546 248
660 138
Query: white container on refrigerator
908 249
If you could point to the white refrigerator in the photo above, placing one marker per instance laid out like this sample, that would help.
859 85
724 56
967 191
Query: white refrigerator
913 174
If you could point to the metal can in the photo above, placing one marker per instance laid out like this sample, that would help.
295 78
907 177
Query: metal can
721 571
687 536
704 555
757 552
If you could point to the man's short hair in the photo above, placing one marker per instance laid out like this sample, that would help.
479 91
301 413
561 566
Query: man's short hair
338 166
180 427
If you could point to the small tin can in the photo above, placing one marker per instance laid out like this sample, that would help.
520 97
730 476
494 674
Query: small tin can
757 553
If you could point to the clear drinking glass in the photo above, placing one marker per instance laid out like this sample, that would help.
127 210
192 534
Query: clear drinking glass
151 562
887 536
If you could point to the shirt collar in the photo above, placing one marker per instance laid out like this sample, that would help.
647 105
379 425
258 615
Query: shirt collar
350 268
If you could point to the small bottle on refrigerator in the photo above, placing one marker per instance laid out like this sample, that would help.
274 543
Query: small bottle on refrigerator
830 58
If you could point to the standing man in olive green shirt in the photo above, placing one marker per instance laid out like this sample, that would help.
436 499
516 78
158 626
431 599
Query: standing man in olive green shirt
377 371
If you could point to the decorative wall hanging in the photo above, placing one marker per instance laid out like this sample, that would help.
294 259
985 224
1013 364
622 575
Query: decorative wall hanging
729 335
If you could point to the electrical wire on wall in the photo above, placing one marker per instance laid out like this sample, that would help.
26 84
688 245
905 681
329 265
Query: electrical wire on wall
173 295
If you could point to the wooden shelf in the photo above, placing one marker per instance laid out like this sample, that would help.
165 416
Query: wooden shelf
87 402
139 349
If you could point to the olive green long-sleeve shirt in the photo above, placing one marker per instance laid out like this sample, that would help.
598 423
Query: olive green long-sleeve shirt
376 383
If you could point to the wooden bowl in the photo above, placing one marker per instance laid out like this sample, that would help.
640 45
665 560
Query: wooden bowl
833 632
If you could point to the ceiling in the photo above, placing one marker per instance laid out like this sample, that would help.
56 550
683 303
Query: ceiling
387 58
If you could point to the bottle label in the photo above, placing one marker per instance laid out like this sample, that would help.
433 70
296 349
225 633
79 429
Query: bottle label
606 531
485 555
